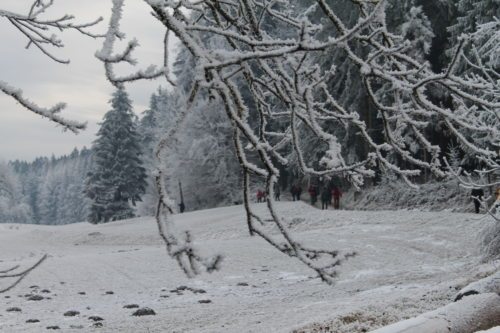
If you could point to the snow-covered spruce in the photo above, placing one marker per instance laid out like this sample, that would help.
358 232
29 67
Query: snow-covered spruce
118 178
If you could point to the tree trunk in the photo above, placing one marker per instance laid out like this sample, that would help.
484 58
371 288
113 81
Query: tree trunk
472 313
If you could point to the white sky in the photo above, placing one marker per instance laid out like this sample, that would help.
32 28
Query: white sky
81 84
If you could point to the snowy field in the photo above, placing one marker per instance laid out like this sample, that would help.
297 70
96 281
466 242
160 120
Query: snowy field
409 262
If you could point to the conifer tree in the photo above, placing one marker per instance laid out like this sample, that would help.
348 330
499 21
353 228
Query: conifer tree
117 180
471 14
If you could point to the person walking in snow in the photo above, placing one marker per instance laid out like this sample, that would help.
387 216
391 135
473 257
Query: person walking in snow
313 194
325 198
260 195
277 192
477 196
336 195
293 191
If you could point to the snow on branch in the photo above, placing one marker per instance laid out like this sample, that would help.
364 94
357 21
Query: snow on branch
42 34
50 113
242 58
39 31
110 59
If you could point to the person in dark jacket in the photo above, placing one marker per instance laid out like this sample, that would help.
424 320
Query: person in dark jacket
277 192
336 195
325 198
293 191
313 194
477 196
299 192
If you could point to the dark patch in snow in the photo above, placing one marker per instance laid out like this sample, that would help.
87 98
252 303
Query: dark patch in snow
54 327
30 321
96 318
35 298
242 284
82 293
110 292
467 293
71 313
180 289
131 306
14 309
198 291
204 301
45 291
144 312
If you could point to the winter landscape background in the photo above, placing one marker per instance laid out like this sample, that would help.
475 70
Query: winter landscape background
394 103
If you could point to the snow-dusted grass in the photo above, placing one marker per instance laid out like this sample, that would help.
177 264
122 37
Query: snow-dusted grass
432 196
408 263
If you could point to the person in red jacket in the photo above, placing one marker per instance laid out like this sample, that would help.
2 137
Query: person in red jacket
336 195
313 194
260 196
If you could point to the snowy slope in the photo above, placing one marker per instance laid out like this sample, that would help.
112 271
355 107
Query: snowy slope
409 262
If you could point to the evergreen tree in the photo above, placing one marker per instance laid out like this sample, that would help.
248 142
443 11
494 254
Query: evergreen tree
118 177
13 208
471 14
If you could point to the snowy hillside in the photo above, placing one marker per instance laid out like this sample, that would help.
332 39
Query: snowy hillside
409 262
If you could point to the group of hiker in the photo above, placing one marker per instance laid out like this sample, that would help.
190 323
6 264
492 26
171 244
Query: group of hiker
262 195
329 195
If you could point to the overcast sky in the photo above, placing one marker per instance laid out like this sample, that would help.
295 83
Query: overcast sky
81 84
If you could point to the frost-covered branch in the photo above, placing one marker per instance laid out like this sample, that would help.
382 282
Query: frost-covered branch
50 113
110 59
42 33
275 94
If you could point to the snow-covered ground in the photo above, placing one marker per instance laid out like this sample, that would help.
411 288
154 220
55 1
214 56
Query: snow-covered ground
409 262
